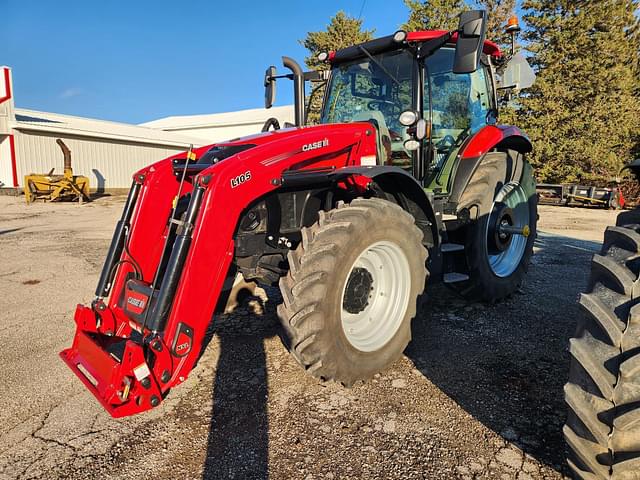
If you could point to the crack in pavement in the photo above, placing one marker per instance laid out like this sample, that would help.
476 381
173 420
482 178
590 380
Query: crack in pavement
34 434
28 435
43 423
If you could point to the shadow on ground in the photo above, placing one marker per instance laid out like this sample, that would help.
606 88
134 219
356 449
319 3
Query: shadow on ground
506 364
238 439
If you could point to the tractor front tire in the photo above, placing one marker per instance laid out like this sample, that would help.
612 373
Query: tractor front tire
603 391
501 190
352 290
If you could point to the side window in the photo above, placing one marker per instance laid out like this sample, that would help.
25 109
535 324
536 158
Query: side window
479 99
459 107
460 102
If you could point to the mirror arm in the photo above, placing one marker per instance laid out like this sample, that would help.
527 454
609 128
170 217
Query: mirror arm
286 75
316 76
428 48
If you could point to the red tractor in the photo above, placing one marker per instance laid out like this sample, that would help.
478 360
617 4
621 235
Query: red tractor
408 175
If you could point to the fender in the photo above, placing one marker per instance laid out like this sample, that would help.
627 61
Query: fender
404 189
489 138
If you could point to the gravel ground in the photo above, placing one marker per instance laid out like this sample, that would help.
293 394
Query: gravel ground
478 394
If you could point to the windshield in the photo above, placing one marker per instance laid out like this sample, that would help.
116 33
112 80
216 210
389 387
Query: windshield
375 91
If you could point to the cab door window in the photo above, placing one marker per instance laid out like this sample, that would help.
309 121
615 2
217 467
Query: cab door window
458 105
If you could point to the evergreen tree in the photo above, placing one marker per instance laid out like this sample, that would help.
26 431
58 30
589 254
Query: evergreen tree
443 15
498 13
583 113
433 14
342 31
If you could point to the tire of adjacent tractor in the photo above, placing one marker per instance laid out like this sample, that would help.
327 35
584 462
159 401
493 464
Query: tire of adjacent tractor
603 392
352 290
501 190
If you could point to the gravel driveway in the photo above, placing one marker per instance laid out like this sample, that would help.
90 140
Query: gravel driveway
478 394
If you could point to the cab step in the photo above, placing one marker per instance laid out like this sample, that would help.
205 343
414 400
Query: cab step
455 277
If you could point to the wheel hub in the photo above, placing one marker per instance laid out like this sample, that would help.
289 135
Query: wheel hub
508 229
358 290
375 296
499 232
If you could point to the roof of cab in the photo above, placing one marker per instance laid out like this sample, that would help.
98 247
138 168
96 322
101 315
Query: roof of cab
382 44
490 48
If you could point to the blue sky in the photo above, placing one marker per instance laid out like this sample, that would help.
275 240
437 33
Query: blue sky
135 61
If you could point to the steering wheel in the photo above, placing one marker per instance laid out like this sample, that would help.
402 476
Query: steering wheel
271 122
383 105
446 141
449 141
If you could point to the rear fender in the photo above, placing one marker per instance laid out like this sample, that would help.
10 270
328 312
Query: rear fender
488 139
402 188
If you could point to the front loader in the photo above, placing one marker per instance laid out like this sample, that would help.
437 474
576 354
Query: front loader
407 176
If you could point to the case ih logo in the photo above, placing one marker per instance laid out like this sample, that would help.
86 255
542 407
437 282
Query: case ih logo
136 302
315 145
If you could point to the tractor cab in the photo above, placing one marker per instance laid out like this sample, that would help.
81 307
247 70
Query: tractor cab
414 78
393 89
426 93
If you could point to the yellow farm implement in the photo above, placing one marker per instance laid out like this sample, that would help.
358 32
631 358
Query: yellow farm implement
50 187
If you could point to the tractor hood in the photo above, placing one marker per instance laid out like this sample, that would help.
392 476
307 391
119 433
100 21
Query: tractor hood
308 142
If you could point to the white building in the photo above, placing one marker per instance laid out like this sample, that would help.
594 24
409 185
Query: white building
106 152
217 127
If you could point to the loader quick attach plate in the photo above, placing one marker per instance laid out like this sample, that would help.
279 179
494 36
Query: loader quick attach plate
113 369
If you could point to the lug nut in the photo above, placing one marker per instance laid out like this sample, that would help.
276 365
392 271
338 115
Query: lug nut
145 382
155 401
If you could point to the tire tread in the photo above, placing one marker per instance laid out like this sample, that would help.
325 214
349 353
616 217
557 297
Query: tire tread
606 351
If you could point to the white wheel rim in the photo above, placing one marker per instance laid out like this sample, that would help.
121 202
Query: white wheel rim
505 263
377 323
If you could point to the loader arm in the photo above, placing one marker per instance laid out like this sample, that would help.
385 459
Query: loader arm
141 337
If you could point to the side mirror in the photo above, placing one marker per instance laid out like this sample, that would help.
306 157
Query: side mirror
471 34
269 87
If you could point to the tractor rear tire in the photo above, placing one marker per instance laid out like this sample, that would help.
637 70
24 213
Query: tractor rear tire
500 176
352 290
603 391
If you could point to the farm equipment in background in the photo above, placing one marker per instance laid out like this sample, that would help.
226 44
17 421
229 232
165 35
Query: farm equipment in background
571 195
50 187
603 391
408 176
